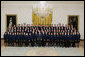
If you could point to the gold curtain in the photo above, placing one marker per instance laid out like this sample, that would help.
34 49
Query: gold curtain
41 20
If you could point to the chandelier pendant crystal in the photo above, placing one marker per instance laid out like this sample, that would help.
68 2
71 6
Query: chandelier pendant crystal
42 9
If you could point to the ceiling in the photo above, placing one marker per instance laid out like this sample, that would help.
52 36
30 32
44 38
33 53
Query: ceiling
35 2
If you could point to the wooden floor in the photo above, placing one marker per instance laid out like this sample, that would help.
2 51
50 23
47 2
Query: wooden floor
82 43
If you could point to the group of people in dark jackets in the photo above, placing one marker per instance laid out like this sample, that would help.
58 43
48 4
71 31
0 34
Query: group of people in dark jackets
49 35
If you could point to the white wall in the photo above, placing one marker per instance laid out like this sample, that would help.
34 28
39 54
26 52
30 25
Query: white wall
61 10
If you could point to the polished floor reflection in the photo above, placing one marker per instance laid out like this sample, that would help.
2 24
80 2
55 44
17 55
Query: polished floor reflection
42 51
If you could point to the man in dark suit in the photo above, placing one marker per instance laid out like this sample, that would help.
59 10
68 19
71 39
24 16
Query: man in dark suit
5 38
65 41
43 37
33 37
78 38
26 41
36 38
39 38
57 39
73 39
54 39
30 39
17 38
68 38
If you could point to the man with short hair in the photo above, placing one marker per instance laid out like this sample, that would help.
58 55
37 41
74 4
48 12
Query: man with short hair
78 38
33 37
30 39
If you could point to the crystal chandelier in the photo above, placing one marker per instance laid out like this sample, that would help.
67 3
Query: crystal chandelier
42 9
